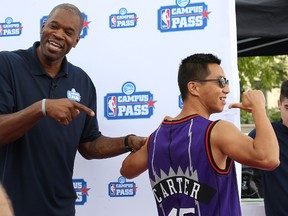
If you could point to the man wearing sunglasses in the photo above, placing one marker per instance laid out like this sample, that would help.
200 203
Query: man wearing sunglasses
190 159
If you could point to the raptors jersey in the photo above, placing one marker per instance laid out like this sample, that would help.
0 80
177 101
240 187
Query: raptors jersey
184 177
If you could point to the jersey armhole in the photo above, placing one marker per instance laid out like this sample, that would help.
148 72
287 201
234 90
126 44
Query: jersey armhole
210 155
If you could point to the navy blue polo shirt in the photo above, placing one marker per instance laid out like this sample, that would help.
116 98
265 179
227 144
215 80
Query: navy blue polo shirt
37 169
275 182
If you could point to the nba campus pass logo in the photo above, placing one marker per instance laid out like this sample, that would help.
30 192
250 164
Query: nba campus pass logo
85 28
10 28
73 95
123 19
182 16
122 188
129 104
80 187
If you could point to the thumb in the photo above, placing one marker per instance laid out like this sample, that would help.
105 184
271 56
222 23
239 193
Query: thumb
235 105
240 105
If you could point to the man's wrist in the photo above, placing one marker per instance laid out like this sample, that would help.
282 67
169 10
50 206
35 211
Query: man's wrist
126 142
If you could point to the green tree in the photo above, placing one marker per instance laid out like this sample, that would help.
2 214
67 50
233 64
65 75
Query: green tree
264 73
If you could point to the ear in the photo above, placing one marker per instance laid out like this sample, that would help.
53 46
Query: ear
42 27
193 88
76 42
279 104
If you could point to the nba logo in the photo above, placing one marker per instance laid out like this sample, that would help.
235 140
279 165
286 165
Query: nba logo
112 190
111 108
113 21
165 19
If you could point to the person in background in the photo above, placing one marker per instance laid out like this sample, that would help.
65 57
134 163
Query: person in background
47 113
190 159
274 182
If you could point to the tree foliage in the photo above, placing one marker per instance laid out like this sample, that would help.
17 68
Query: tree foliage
262 72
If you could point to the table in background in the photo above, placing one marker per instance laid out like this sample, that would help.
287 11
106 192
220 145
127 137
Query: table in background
252 207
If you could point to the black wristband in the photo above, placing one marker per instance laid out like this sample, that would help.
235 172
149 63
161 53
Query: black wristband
127 147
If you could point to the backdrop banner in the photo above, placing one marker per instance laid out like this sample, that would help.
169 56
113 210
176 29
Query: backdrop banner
132 51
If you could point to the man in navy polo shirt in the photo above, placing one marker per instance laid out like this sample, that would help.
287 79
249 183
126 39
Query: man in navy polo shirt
47 113
274 183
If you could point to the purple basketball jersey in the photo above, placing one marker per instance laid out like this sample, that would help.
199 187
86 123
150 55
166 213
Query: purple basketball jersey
184 178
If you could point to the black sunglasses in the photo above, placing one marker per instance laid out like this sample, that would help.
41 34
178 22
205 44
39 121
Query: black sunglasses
222 81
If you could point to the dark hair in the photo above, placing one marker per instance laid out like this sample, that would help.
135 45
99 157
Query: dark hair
67 6
284 90
194 67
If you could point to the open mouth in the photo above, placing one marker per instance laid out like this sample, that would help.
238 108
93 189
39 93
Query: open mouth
52 45
223 99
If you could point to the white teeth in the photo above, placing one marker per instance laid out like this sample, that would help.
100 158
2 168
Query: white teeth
54 44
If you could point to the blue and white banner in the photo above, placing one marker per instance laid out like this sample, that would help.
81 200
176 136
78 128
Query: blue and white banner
132 51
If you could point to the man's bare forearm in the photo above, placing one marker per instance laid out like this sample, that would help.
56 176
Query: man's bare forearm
102 147
15 125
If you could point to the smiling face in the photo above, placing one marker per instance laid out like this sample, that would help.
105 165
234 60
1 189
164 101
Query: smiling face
59 34
213 97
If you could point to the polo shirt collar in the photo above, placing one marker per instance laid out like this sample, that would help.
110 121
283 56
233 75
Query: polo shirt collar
64 66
